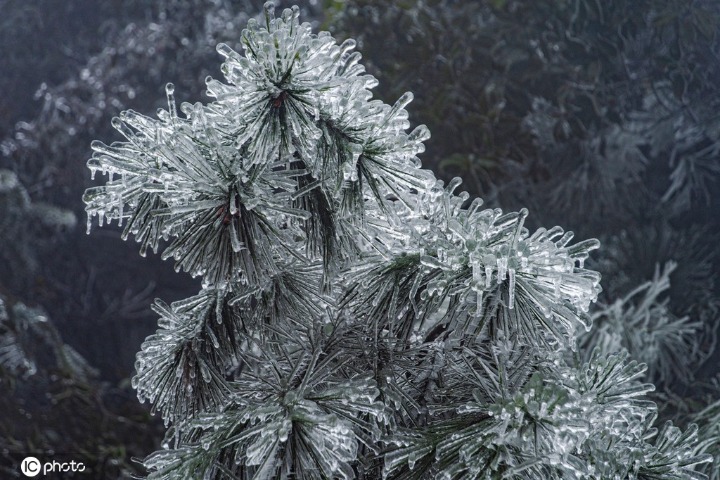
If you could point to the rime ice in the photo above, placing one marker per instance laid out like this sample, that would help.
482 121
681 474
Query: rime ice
356 316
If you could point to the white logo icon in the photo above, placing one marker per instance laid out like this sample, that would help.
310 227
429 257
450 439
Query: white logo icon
30 467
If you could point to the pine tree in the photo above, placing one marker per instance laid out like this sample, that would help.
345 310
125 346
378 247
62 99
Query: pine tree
358 318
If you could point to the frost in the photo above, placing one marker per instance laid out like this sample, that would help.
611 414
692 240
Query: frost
643 324
358 316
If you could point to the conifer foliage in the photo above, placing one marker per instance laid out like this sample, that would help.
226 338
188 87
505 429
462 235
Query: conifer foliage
358 318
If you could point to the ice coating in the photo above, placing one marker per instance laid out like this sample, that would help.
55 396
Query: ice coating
357 314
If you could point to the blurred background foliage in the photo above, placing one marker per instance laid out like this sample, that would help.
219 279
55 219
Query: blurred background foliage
602 117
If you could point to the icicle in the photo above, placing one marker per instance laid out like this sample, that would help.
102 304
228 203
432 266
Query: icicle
511 288
401 103
235 242
565 239
349 171
475 206
120 206
453 184
346 46
172 108
521 221
234 202
227 52
269 9
478 303
205 372
219 308
476 275
420 134
502 264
